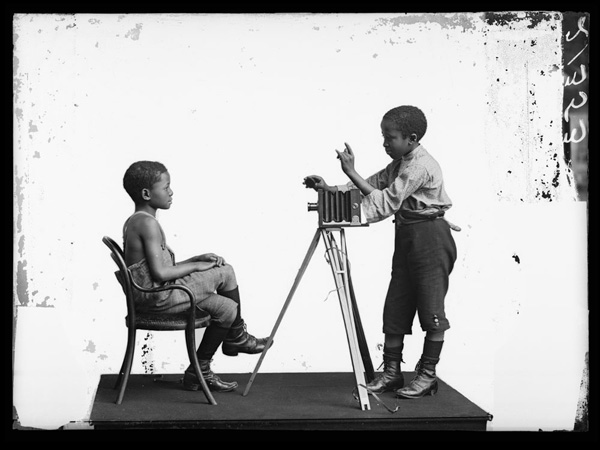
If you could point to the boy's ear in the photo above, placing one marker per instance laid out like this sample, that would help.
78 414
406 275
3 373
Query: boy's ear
413 137
146 194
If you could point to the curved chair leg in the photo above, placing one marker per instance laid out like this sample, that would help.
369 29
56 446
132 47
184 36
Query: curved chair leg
120 377
128 348
126 366
190 338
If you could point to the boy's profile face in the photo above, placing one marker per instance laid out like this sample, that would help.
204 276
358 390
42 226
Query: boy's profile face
395 145
160 196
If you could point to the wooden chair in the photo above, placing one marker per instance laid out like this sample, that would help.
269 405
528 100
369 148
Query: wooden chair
188 321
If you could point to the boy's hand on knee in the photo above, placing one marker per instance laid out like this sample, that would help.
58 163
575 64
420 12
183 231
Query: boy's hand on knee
218 260
211 257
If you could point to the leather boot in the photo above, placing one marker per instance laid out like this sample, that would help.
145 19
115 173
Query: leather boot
191 382
238 340
425 381
391 378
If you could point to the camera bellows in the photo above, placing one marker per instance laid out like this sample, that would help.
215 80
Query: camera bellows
338 208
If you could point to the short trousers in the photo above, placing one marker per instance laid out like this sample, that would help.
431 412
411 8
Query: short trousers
424 256
205 285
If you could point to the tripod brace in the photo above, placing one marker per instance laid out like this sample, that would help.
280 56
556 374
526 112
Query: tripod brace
338 260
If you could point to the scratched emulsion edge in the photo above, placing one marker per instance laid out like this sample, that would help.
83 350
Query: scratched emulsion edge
534 170
19 271
549 189
465 21
26 156
21 295
575 43
21 287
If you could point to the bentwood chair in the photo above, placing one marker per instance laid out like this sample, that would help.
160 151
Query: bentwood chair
188 321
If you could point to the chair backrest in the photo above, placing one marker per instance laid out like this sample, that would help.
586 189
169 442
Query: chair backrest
123 275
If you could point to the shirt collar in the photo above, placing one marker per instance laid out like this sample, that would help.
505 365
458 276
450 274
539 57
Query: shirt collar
413 154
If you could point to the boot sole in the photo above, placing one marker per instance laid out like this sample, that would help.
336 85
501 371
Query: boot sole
432 392
197 387
237 352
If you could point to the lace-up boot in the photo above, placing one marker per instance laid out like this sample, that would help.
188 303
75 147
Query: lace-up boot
391 378
425 380
192 383
238 340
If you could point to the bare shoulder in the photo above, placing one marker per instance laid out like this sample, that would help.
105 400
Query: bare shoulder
141 230
143 223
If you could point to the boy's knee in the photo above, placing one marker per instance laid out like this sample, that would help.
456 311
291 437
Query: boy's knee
222 310
228 271
434 323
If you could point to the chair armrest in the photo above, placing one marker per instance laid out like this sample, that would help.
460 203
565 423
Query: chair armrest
168 287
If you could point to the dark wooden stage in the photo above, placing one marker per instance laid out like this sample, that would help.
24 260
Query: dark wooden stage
277 401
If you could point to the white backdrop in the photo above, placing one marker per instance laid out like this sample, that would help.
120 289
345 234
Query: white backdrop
240 108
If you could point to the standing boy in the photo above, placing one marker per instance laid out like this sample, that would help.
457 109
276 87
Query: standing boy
211 279
411 188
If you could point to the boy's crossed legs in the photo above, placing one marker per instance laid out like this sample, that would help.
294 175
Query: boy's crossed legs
227 326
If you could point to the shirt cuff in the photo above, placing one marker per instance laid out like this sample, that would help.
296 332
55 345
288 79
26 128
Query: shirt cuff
369 206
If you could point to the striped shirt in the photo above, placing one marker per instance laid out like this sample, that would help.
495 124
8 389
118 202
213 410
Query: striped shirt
411 188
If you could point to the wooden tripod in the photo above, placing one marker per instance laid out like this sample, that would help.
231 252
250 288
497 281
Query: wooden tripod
359 353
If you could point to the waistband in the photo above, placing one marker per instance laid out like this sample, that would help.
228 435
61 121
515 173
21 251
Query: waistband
419 219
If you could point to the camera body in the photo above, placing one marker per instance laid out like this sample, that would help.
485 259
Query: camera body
338 209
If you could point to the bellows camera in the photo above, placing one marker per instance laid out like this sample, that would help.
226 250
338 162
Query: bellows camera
338 208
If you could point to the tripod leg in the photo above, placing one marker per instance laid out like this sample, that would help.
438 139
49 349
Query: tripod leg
340 275
360 334
309 254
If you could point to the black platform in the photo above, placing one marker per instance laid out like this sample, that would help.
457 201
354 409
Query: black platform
277 401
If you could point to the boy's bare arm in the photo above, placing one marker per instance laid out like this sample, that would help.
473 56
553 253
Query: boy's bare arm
151 236
206 257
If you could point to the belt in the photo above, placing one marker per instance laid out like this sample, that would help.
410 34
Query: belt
420 219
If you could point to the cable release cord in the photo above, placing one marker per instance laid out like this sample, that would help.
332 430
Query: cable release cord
376 397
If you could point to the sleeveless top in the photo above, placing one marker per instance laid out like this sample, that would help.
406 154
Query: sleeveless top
140 272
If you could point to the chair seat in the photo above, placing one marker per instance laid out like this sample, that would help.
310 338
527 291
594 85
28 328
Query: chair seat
166 322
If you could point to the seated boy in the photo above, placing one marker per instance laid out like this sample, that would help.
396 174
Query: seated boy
211 279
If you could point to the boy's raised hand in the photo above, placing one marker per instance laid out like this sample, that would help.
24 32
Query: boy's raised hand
346 158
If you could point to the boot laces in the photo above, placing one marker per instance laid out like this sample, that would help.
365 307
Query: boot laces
209 372
383 363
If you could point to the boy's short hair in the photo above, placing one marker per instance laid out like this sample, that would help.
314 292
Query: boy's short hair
142 175
408 119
